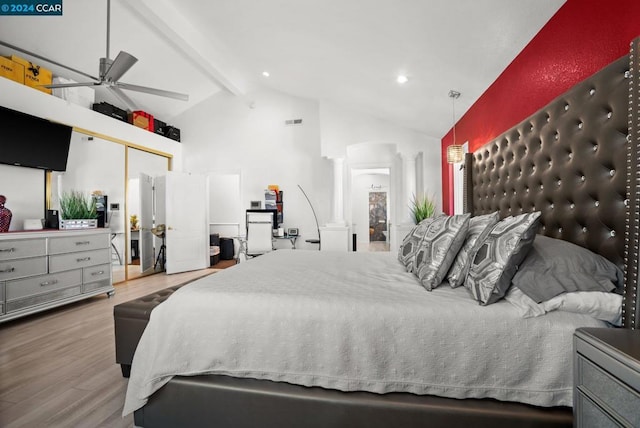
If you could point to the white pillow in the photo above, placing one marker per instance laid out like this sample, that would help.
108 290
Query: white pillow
598 304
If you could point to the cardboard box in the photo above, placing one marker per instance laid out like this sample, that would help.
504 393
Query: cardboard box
35 75
81 95
142 119
11 70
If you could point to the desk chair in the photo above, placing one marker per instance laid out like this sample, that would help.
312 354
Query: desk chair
259 233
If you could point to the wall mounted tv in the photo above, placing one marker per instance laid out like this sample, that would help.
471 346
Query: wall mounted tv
33 142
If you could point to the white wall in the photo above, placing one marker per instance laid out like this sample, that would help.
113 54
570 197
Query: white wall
341 127
223 134
24 190
350 134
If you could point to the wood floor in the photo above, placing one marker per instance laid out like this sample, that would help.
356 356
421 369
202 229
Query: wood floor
57 368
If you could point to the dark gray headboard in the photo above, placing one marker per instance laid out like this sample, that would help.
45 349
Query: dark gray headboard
575 161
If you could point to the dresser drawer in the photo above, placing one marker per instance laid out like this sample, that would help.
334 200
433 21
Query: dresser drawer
591 416
104 285
62 262
42 299
21 268
608 390
19 249
69 244
96 273
21 288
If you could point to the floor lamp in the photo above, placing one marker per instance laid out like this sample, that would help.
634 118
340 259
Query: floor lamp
312 241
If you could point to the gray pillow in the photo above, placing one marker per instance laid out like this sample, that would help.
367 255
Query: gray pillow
410 243
479 228
437 250
497 258
553 267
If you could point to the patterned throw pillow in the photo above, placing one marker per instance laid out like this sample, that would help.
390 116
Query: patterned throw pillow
479 228
497 258
439 247
410 244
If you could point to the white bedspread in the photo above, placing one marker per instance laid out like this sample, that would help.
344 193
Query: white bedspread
353 321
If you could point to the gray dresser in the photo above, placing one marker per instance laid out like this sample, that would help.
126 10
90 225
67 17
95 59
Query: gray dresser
45 269
606 378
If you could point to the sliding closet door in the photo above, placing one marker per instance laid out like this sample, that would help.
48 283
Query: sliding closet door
146 224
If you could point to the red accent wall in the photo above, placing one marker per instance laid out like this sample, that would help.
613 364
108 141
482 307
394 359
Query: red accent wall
580 39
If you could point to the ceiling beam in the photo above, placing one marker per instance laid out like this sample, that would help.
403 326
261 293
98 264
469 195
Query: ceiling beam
195 47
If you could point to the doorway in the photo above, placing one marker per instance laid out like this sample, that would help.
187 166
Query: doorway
143 216
370 208
378 229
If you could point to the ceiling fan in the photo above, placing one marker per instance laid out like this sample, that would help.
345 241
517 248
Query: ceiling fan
110 73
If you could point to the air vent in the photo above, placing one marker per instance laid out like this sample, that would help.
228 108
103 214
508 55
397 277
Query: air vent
293 122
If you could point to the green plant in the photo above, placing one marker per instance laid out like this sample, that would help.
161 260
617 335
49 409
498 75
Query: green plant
77 205
422 207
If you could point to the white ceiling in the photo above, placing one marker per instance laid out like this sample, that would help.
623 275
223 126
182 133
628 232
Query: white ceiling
346 52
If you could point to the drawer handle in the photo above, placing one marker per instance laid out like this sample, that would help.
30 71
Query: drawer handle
8 270
101 272
7 250
83 259
52 282
83 242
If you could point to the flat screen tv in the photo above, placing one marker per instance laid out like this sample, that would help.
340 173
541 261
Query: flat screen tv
33 142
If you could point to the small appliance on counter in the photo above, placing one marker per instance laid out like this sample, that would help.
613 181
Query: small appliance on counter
32 224
51 219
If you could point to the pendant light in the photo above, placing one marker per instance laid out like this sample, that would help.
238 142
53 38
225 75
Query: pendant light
455 152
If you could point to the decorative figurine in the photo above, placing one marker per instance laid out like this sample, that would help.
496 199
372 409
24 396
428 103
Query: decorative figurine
5 215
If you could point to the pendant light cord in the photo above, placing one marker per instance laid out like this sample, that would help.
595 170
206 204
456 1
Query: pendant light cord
454 94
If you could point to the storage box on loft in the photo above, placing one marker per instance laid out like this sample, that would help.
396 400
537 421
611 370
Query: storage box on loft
81 95
142 119
35 75
11 70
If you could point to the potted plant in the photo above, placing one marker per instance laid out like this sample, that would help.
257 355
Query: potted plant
77 211
422 207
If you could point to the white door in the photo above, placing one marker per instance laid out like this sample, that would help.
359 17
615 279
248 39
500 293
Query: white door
187 238
146 224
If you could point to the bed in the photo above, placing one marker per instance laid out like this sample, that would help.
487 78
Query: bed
571 162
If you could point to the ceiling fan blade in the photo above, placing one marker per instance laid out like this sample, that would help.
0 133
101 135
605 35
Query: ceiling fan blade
153 91
128 102
119 66
50 61
70 85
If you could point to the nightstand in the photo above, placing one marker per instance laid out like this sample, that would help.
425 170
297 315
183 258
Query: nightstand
606 375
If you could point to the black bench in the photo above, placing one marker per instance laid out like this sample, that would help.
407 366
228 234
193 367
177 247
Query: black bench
130 320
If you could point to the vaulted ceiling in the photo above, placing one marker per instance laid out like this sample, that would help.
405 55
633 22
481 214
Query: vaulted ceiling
347 52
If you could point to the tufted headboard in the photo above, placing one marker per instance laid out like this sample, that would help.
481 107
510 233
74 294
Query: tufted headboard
575 161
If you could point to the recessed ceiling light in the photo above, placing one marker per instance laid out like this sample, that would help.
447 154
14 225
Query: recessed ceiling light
401 79
265 74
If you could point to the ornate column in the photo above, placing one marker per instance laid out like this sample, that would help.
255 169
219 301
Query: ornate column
337 217
408 185
334 236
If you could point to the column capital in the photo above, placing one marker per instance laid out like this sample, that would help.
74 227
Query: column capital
409 156
336 160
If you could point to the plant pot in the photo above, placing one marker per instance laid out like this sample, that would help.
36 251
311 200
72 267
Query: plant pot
74 224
